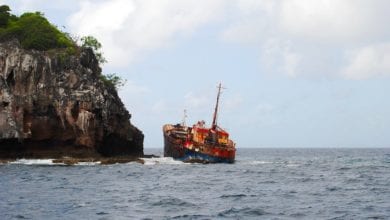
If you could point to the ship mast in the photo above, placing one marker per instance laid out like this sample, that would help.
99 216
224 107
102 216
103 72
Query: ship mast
214 125
183 123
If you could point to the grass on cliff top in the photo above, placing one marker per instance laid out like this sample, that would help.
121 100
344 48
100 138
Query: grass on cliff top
32 30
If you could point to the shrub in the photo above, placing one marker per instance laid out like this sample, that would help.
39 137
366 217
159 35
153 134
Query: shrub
112 80
32 30
95 45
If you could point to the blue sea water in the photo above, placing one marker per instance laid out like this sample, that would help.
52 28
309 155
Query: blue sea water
262 184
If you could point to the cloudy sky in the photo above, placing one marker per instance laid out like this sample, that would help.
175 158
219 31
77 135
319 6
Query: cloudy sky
298 73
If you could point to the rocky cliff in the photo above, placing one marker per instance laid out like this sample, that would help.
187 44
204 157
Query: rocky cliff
54 104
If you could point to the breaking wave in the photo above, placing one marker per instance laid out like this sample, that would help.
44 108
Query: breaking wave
35 162
161 160
49 162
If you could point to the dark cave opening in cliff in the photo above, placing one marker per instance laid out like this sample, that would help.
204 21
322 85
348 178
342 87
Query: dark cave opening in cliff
11 79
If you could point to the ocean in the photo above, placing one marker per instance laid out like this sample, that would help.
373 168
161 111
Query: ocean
262 184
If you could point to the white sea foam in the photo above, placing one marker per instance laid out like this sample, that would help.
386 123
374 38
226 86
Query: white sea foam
253 162
35 162
49 162
257 162
161 160
88 163
262 162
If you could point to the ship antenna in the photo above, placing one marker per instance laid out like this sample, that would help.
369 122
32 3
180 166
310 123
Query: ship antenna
214 125
183 123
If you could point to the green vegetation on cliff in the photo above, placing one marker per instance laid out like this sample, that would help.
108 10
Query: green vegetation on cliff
32 30
112 79
95 45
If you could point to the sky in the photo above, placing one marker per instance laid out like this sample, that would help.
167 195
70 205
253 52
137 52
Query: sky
298 73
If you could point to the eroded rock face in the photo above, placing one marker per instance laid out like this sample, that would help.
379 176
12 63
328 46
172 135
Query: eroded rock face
54 103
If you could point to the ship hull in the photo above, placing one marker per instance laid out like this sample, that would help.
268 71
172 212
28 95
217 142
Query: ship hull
194 156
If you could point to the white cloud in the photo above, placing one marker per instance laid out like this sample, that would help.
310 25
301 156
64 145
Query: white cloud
321 19
101 20
294 37
367 62
334 20
279 56
127 29
251 21
299 37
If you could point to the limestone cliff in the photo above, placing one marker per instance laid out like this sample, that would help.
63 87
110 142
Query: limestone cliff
53 104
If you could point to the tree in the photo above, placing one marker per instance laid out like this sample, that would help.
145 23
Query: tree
95 45
4 15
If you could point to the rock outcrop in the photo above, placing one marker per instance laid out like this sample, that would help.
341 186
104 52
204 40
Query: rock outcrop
53 104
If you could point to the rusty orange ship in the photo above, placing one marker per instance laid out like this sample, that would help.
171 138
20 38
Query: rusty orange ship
199 143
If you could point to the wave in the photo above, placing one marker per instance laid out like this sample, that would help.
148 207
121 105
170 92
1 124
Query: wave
234 196
35 162
49 162
240 212
262 162
161 160
53 162
88 163
172 201
253 162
